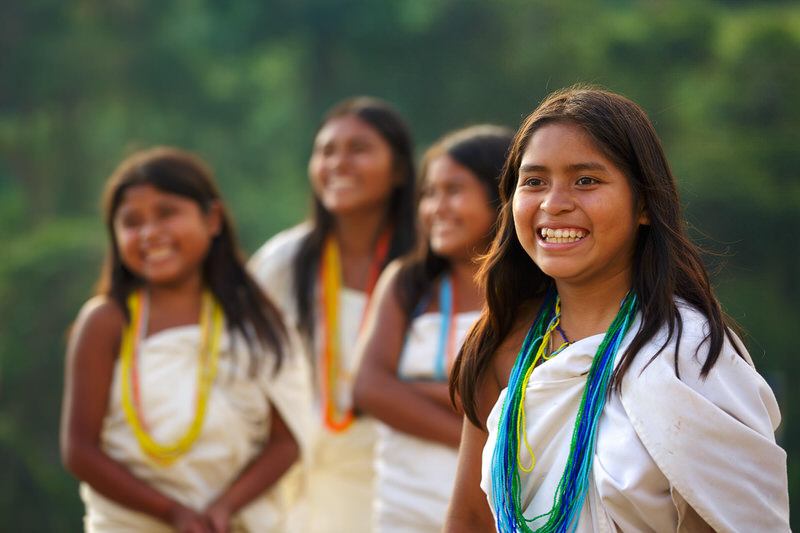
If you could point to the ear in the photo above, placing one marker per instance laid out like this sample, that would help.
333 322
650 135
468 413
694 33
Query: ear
214 218
644 214
398 175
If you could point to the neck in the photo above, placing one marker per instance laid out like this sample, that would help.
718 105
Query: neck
357 233
590 310
176 291
470 297
174 305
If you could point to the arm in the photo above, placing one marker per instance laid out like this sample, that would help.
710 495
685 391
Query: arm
266 468
436 391
469 510
91 353
379 391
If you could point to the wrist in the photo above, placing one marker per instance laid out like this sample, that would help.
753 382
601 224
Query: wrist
175 512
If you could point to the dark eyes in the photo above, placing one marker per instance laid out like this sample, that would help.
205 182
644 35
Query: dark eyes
134 220
354 148
533 182
130 221
538 182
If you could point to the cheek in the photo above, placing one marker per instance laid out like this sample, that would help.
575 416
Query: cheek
523 211
314 170
124 238
380 169
425 214
479 212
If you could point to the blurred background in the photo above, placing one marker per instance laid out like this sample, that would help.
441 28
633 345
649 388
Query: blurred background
244 84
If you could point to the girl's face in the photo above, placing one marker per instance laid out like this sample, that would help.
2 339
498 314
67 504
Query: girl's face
574 211
163 237
454 210
351 167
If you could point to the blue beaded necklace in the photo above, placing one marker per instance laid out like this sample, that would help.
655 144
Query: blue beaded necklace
571 490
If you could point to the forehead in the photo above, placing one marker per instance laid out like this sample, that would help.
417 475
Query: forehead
345 127
144 193
445 168
559 141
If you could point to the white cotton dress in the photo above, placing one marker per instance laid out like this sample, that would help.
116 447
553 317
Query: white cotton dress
235 429
672 455
340 481
414 478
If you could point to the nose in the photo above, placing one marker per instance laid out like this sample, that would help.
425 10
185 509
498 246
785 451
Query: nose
149 230
557 199
435 203
336 159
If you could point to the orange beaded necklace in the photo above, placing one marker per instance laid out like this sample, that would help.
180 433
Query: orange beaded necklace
333 377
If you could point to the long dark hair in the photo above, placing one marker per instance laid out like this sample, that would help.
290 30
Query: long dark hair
665 263
247 309
389 124
482 149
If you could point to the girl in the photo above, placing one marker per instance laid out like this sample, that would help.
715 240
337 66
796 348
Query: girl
173 425
322 273
602 387
424 305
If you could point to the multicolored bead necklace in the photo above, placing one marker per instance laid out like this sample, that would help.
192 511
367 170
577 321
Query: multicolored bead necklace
448 306
211 327
331 369
571 490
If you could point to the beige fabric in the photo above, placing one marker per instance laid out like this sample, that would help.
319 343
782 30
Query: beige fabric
414 476
340 482
672 454
235 428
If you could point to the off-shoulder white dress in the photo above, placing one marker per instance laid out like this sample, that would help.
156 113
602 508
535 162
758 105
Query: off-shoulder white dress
672 454
340 482
235 428
414 479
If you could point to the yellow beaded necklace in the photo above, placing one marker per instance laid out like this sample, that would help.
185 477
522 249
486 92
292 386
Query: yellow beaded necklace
211 327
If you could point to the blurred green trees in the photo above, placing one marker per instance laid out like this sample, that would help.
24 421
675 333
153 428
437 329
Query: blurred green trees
84 83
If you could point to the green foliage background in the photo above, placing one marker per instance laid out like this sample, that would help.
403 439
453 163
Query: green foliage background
86 82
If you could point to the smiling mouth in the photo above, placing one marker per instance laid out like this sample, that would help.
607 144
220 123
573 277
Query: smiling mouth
158 253
340 183
561 235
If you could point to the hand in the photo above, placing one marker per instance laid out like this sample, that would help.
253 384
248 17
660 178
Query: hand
186 520
219 516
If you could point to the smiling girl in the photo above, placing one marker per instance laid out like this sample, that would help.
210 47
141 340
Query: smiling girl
322 272
184 403
603 389
424 305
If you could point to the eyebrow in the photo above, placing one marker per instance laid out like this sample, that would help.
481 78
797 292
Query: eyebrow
577 166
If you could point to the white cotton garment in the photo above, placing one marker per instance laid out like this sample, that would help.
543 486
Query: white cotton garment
414 476
235 428
672 455
339 489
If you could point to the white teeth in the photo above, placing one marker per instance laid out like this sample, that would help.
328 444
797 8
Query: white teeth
560 235
158 253
340 183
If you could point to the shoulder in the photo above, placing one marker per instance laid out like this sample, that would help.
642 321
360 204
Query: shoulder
280 249
390 275
99 313
689 350
733 388
387 302
272 265
505 356
699 429
97 330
